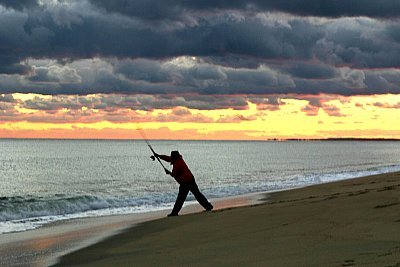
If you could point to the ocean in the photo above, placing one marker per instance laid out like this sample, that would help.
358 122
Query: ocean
44 181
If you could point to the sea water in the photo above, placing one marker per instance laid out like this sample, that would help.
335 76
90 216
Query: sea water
43 181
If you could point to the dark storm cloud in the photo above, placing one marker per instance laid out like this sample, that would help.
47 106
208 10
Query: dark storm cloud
55 103
189 76
143 69
74 31
193 75
148 10
175 9
334 9
311 71
136 102
42 75
199 47
12 66
107 36
18 4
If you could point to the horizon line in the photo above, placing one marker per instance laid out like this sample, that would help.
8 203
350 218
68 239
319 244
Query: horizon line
228 140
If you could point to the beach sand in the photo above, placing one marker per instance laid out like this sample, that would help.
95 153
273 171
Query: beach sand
43 246
347 223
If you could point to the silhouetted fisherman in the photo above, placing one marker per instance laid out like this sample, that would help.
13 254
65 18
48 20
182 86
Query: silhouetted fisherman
185 178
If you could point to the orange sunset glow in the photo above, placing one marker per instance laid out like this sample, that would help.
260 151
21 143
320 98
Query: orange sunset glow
305 117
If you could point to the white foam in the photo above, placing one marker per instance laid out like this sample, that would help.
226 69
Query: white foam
32 214
36 222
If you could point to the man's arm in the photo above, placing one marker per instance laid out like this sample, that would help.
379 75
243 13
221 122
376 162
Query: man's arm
164 157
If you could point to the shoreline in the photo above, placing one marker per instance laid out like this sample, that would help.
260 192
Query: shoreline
45 245
340 223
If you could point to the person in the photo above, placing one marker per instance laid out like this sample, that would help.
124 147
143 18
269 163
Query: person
185 178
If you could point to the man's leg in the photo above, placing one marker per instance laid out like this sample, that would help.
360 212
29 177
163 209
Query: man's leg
180 199
199 196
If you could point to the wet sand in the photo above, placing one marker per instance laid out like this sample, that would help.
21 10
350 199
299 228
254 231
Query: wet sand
347 223
43 246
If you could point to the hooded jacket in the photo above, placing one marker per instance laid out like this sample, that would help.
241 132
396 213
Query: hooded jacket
180 171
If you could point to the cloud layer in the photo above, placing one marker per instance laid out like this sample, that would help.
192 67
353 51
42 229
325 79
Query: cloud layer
200 47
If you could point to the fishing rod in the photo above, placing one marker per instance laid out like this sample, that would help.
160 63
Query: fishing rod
152 150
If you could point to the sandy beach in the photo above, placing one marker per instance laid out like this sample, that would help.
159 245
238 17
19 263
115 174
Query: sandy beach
43 246
346 223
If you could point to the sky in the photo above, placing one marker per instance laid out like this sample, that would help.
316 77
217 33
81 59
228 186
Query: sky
188 69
